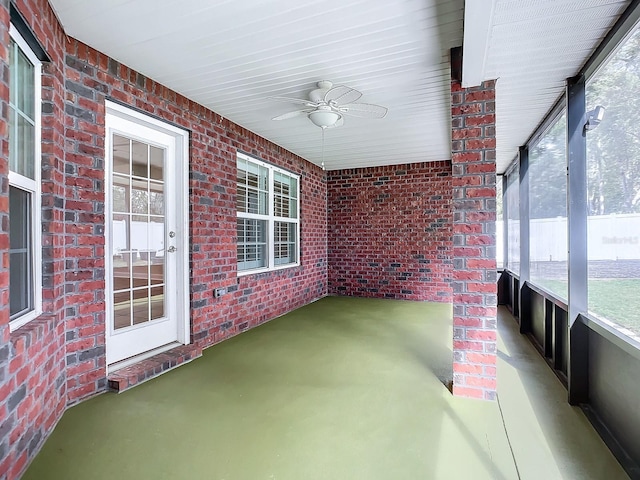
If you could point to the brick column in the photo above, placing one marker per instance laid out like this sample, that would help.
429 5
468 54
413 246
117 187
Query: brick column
473 156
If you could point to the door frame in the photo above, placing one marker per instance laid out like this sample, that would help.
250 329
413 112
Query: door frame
180 178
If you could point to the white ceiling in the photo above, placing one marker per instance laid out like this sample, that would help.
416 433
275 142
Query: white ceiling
230 55
534 46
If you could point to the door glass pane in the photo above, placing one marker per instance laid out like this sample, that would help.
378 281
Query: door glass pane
139 196
121 154
157 302
138 232
140 243
156 163
140 159
121 194
156 250
121 309
140 306
20 252
156 198
123 256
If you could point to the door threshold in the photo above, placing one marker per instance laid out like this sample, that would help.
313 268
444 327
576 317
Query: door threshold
114 367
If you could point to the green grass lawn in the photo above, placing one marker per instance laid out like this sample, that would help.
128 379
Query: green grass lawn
616 299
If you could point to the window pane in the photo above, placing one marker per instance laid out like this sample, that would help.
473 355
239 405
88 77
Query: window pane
21 113
285 192
252 192
21 145
613 169
252 243
13 87
513 221
261 237
20 253
548 242
24 72
499 224
285 243
25 139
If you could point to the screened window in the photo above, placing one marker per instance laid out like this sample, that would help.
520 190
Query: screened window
499 224
513 220
548 241
24 182
613 176
268 219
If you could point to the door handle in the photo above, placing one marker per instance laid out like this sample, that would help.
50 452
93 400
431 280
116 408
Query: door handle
171 249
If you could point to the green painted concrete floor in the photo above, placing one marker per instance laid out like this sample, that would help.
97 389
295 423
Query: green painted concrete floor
343 388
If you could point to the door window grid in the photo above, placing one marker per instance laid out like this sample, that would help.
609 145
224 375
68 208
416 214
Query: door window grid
138 214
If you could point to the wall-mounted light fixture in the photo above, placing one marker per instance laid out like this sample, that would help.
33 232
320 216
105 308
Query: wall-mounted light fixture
594 117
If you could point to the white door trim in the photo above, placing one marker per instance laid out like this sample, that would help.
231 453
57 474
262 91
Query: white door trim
180 178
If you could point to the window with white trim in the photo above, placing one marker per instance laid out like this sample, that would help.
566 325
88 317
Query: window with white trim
25 279
268 216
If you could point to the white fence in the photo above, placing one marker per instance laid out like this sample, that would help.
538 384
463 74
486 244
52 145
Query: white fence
611 237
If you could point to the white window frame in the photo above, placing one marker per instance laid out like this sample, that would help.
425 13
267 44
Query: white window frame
272 219
32 186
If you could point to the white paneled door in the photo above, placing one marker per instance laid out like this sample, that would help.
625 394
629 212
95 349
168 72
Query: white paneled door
146 235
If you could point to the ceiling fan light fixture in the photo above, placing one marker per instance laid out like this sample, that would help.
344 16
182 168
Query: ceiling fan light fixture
324 118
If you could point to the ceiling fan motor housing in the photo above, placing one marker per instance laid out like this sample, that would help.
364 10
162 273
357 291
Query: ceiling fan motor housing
318 94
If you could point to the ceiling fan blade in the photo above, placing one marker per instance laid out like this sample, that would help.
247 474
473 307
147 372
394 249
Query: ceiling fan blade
365 110
288 115
342 95
300 101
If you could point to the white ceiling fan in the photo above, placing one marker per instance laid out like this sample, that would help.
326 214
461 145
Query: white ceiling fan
327 104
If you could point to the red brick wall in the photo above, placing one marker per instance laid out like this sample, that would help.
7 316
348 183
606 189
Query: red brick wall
252 299
474 254
33 388
7 384
59 358
390 231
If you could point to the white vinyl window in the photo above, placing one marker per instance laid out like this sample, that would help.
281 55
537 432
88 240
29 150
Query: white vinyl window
25 279
268 216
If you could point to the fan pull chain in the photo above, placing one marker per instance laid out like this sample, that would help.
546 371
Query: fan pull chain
323 128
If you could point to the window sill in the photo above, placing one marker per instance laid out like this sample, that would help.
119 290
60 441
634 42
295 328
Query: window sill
31 331
23 320
257 271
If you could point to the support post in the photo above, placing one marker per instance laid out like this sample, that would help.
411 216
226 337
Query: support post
578 378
